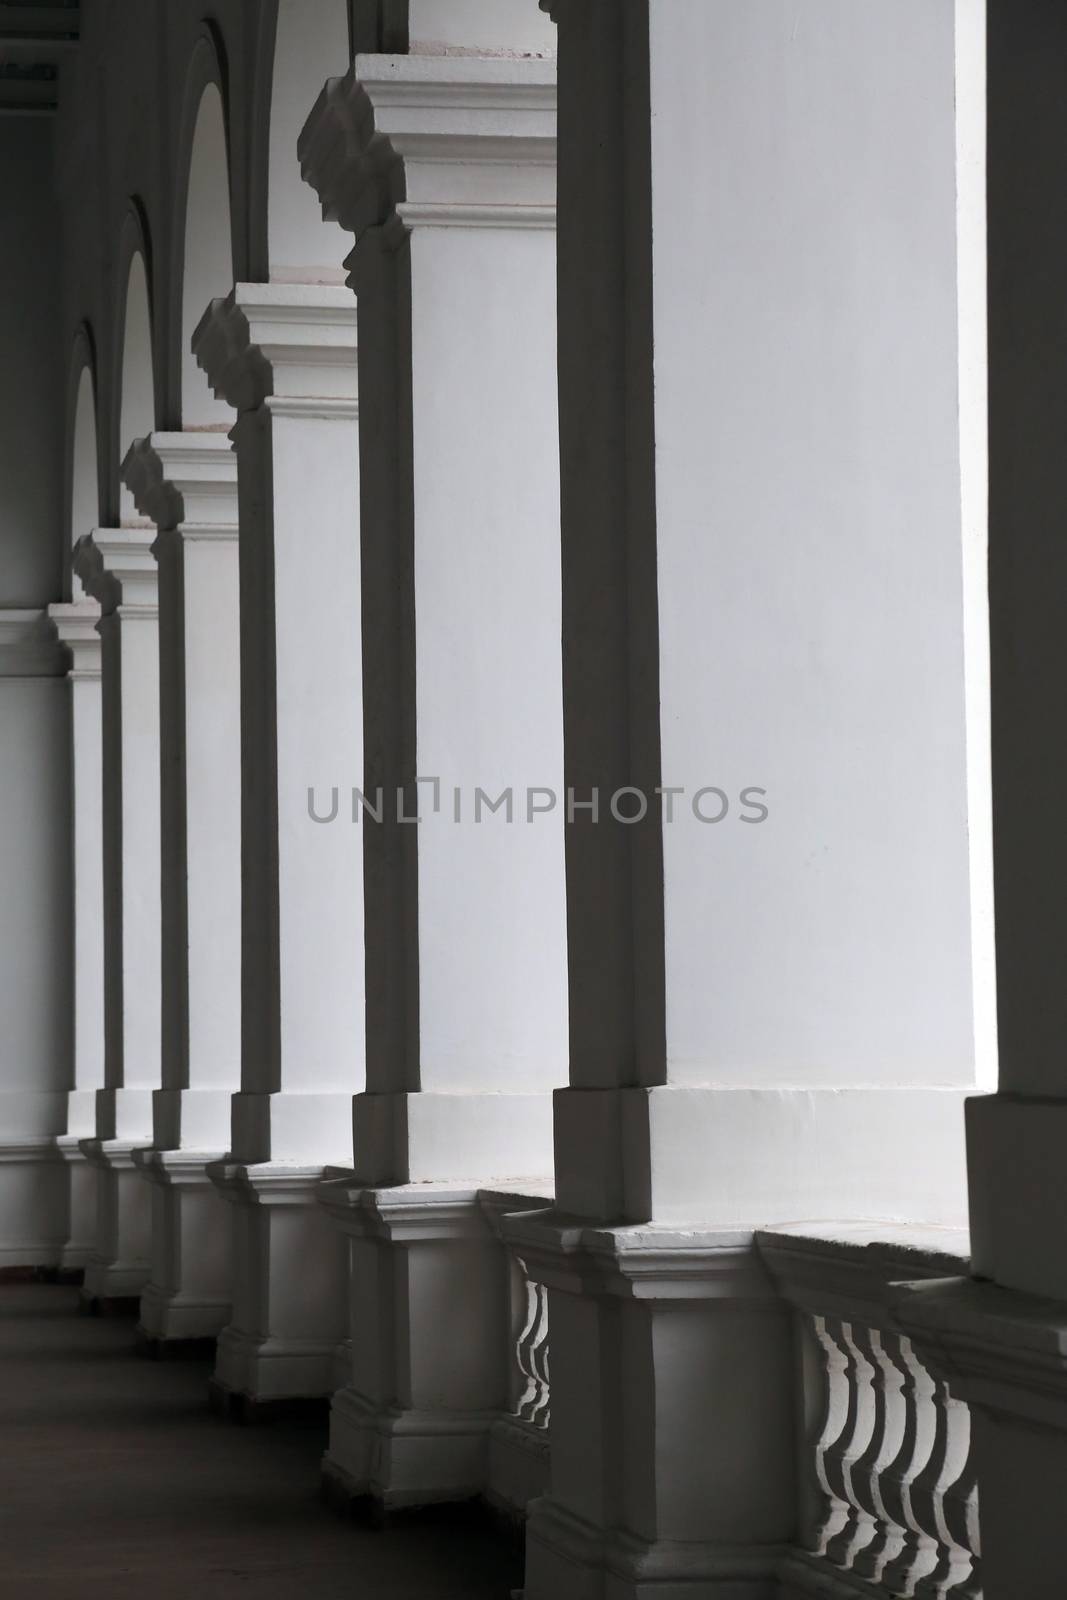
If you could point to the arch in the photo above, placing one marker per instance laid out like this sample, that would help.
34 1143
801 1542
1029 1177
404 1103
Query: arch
203 225
137 403
308 43
82 486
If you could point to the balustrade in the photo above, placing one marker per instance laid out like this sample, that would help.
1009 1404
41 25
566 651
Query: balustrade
888 1482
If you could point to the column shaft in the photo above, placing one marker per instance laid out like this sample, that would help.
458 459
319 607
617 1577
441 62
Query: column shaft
285 357
116 567
187 484
75 626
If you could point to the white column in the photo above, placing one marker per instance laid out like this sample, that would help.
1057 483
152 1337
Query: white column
116 567
75 626
444 169
770 1000
284 355
1000 1338
187 484
35 1035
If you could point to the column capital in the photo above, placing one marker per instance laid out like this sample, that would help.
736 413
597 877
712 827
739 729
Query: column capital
117 568
75 627
185 482
435 140
292 343
28 647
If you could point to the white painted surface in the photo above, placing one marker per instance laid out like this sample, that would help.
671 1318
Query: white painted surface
492 948
208 263
137 412
809 545
310 45
511 27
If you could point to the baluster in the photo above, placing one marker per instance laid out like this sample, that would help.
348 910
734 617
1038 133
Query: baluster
913 1446
831 1439
858 1527
538 1357
883 1450
953 1503
902 1573
531 1355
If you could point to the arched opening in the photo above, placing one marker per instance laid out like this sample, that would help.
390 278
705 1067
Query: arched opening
137 411
208 263
84 468
311 44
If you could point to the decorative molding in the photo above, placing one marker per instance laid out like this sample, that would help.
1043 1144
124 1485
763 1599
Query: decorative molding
185 480
434 214
117 568
75 625
296 341
435 140
28 645
641 1262
268 1183
851 1271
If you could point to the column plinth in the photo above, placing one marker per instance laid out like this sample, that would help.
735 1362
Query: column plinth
284 356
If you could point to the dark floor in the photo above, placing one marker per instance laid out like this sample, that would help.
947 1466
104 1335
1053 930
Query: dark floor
116 1480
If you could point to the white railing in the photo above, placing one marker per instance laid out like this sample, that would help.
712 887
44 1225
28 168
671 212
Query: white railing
889 1499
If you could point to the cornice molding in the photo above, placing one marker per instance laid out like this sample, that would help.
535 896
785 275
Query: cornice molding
641 1261
117 568
28 645
75 626
435 139
184 481
854 1273
288 340
1003 1351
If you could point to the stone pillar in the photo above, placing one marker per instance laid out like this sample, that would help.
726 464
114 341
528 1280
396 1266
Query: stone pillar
284 355
1002 1340
35 1039
187 484
116 567
768 921
444 169
75 626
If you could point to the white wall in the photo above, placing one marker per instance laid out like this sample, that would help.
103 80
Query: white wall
808 510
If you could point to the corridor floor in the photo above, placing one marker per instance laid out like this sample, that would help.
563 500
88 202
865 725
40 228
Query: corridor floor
117 1481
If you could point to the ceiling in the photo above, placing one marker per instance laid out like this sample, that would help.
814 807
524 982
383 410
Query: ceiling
35 36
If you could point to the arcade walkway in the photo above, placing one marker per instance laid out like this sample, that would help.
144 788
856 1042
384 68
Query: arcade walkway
116 1480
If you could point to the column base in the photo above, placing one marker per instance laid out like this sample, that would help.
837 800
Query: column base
187 1296
751 1158
672 1394
571 1558
119 1265
431 1344
81 1226
466 1139
401 1457
33 1203
289 1295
